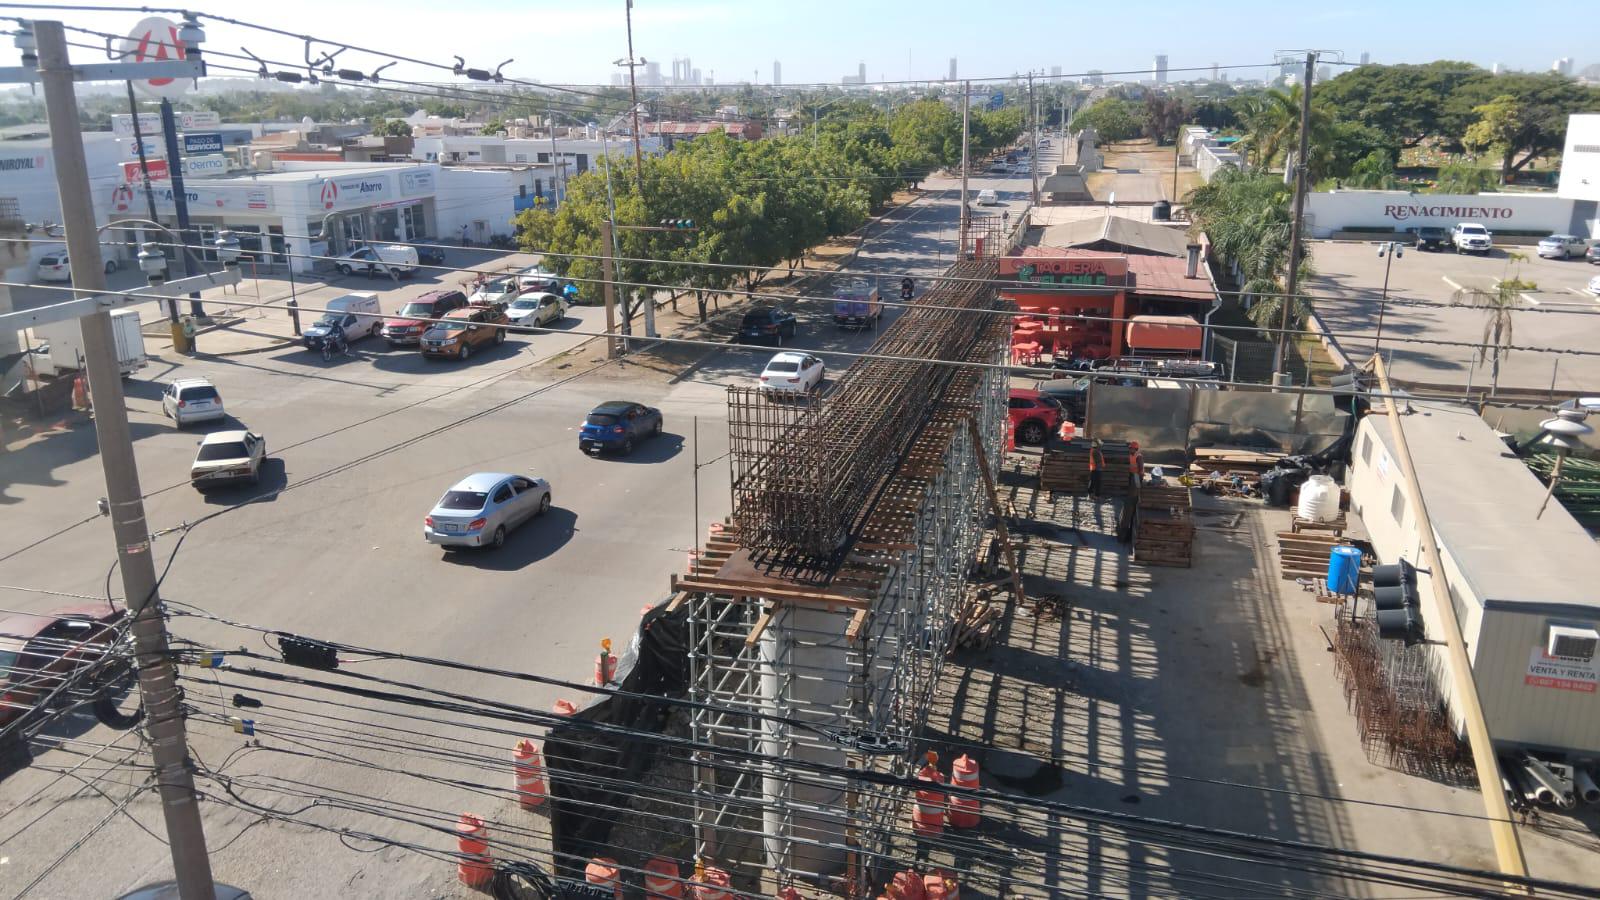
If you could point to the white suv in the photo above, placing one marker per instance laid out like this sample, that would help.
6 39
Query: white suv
192 400
1471 237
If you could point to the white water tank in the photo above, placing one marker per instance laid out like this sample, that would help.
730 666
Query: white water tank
1319 499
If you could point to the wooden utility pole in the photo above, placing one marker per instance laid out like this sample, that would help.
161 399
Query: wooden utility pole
608 267
633 91
1464 691
966 103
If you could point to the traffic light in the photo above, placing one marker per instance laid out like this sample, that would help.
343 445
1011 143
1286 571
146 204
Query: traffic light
677 224
1398 605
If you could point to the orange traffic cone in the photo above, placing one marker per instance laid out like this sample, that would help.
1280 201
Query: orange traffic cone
529 766
927 817
712 884
964 810
603 872
476 866
564 707
940 885
662 880
605 665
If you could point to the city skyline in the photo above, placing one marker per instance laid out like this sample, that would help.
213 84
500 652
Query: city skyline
581 43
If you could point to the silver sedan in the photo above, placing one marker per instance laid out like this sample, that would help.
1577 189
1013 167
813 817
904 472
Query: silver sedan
482 508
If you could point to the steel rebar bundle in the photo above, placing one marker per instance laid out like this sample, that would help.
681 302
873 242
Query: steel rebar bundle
805 474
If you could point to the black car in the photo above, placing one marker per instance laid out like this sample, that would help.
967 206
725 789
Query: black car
1073 393
766 324
1432 238
430 256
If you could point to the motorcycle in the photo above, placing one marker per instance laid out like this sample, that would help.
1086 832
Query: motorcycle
334 342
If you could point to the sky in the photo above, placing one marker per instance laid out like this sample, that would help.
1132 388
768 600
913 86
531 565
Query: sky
820 40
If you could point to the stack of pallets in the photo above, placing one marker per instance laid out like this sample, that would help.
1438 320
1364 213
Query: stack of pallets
1306 554
1163 529
1228 462
1065 468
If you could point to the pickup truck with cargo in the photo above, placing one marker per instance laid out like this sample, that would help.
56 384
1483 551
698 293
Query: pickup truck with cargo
857 304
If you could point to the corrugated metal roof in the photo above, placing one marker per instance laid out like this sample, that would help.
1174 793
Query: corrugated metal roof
1124 233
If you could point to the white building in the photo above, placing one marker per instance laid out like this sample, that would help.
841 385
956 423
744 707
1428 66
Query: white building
28 176
573 156
1580 166
1517 582
1158 69
1328 212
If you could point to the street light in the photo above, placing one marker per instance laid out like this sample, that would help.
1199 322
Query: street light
153 263
1389 251
227 247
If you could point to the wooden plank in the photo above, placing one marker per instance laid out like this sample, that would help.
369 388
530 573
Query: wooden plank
774 592
760 626
677 598
852 633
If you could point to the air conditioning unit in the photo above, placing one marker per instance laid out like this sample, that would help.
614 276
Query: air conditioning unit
1572 643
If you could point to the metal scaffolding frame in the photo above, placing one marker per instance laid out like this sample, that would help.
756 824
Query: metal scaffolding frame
820 614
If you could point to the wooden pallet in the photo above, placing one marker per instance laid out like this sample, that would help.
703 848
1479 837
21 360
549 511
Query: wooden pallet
1163 532
1065 468
1306 554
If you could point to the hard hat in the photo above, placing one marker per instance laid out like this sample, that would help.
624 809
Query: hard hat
1133 445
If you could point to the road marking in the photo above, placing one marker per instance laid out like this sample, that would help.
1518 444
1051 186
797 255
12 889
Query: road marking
1452 282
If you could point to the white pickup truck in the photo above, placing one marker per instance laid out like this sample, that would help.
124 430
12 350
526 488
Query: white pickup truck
1471 237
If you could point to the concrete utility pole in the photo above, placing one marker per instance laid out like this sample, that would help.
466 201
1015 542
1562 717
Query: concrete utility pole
1280 358
608 272
1033 149
966 103
158 683
180 201
150 195
633 91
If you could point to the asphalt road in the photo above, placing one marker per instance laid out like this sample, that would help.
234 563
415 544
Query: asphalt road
360 449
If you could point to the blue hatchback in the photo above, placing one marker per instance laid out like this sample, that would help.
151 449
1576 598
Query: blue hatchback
616 425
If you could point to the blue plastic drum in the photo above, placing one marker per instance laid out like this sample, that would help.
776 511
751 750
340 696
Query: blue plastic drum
1344 569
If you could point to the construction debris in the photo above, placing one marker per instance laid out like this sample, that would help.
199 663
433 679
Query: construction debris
1399 709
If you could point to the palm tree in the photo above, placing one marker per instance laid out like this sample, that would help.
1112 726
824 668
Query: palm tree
1498 304
1270 119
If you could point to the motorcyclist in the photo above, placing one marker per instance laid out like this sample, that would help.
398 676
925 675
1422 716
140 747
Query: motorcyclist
907 287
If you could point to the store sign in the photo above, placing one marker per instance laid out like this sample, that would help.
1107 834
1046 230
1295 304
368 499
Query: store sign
352 192
27 164
1401 212
157 167
257 198
150 123
1561 673
205 166
152 149
156 40
199 142
1072 270
416 181
122 198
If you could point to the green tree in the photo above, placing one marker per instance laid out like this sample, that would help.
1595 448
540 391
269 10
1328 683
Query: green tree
1464 178
1113 118
1247 219
493 126
1163 114
1406 102
1375 171
391 128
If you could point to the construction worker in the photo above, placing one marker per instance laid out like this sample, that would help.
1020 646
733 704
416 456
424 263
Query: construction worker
1097 462
1135 464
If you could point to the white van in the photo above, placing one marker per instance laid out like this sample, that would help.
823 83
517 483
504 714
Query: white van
380 260
357 314
987 197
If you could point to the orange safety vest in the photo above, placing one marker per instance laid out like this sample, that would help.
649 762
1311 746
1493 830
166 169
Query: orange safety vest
1136 463
1095 459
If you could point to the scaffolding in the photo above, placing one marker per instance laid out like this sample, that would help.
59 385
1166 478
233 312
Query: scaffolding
820 614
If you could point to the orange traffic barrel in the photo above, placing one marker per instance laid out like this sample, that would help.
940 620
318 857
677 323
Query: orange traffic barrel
564 707
927 816
939 885
603 872
715 529
605 665
475 866
662 880
529 767
964 810
789 893
713 884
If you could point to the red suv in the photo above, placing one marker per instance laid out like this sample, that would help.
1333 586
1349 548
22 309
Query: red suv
406 328
1036 416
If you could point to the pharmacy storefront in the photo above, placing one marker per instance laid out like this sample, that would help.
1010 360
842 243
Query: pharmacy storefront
299 213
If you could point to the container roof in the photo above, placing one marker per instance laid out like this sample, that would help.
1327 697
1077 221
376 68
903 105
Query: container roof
1482 500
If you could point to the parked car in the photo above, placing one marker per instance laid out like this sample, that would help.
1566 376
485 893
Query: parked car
228 456
1593 256
1035 415
1071 394
40 652
987 197
56 267
1432 237
537 309
1471 237
616 425
536 278
357 314
766 324
498 291
482 508
430 255
380 260
475 325
1563 246
191 400
1594 286
406 327
792 373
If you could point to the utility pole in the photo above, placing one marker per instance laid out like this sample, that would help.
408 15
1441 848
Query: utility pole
1033 149
180 199
158 683
966 103
558 169
1280 360
633 91
608 272
150 195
